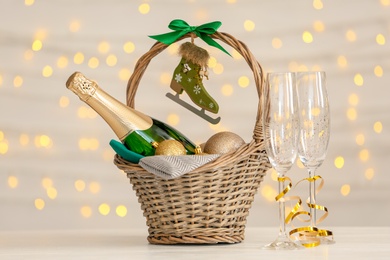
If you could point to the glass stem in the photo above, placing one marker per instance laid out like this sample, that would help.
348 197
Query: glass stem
312 198
282 213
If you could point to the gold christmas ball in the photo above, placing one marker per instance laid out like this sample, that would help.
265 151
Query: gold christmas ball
170 147
223 142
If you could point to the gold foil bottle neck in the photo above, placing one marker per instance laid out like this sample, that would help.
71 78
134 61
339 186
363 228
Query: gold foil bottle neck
198 150
84 88
122 119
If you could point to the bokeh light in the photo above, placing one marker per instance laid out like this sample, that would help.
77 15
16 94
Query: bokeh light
121 211
345 189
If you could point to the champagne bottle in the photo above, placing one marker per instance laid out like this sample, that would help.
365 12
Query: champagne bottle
137 131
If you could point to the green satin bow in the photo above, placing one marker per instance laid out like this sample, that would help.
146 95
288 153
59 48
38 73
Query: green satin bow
181 28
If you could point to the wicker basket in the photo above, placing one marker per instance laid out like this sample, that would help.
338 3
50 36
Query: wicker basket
210 204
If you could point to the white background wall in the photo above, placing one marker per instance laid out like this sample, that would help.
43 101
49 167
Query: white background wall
39 179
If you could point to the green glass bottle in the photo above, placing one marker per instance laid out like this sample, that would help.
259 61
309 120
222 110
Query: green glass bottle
137 131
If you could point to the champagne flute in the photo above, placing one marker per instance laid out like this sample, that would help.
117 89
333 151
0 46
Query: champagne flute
281 128
314 116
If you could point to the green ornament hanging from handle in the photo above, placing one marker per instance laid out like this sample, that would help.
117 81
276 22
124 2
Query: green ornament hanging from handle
192 68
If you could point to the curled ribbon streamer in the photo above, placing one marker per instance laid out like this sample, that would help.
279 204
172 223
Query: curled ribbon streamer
281 196
312 234
180 28
316 206
308 234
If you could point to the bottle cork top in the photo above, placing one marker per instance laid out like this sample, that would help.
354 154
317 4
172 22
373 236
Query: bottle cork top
83 87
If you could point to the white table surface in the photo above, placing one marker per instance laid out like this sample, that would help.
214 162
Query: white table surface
351 243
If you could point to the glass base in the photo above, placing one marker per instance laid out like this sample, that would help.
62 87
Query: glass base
282 243
327 241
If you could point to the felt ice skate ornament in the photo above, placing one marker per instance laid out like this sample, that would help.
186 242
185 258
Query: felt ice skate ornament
188 76
192 69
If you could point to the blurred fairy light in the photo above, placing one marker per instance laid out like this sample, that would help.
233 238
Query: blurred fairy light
3 144
129 47
78 58
47 182
47 71
165 78
380 39
86 112
94 187
364 155
218 127
1 80
91 144
350 35
124 74
307 37
173 48
227 90
12 181
243 81
18 81
353 99
108 155
36 45
369 174
28 54
144 8
358 79
202 14
378 71
360 139
268 192
218 69
293 66
111 60
51 192
378 127
79 185
24 140
274 174
317 4
351 114
104 209
249 25
303 67
173 119
231 1
86 211
39 203
385 2
3 147
63 101
277 43
236 55
318 26
43 141
103 47
40 34
121 211
62 62
339 162
29 2
74 26
345 189
93 62
212 62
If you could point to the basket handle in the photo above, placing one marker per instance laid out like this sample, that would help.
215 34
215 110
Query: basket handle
239 46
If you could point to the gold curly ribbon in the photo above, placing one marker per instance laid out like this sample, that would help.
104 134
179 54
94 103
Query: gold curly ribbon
281 196
311 235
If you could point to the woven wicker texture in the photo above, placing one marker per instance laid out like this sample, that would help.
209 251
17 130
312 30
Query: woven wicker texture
211 204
